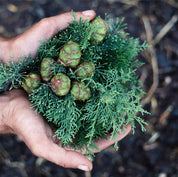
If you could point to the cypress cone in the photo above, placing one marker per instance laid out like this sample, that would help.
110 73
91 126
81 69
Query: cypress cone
31 82
70 54
101 29
46 68
79 91
60 84
85 69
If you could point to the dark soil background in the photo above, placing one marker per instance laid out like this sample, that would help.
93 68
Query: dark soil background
150 154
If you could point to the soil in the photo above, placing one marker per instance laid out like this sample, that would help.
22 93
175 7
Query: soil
153 153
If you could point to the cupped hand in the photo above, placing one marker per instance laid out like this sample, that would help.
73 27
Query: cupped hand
20 119
18 116
27 43
31 128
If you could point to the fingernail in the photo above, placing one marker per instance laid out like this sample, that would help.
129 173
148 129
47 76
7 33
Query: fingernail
84 168
88 13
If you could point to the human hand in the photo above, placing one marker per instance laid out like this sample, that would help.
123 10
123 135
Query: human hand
27 43
20 119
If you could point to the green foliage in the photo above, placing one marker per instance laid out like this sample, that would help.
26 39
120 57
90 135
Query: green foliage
13 72
115 88
62 112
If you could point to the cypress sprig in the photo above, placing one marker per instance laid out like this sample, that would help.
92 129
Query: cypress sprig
13 72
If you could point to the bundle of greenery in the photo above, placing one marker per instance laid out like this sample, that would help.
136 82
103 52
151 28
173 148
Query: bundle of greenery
83 81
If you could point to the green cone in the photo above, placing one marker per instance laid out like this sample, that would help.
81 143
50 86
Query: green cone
85 69
101 29
31 82
60 84
46 68
70 54
79 91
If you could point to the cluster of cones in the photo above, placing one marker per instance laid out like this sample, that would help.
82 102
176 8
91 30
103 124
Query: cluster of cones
69 57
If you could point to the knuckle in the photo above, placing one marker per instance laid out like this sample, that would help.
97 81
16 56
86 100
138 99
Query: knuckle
35 150
62 162
47 23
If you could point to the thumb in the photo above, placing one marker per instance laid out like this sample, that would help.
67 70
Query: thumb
105 143
64 158
48 27
62 21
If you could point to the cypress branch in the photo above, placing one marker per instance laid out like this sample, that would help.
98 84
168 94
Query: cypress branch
115 88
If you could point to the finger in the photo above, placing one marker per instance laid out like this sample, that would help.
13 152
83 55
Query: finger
45 29
48 27
62 157
65 19
104 143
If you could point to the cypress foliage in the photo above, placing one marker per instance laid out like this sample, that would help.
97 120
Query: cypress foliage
115 88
